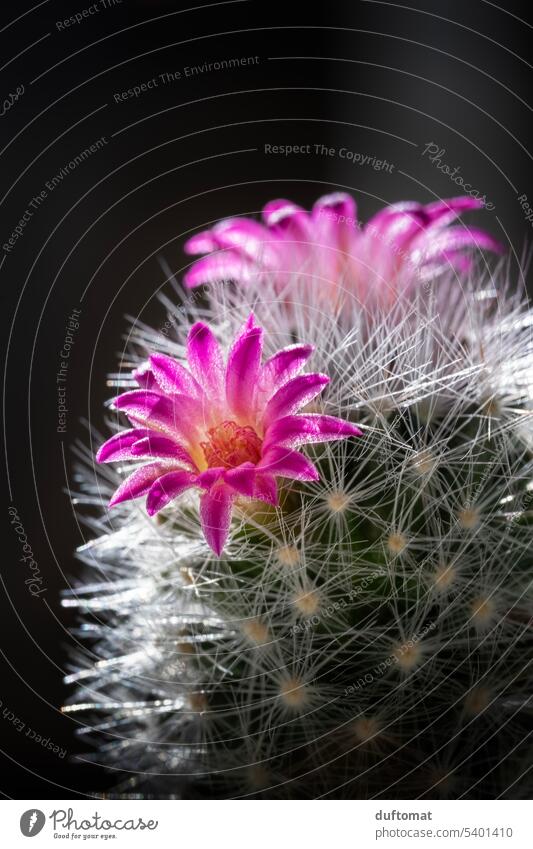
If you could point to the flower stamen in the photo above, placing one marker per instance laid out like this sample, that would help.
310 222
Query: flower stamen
229 445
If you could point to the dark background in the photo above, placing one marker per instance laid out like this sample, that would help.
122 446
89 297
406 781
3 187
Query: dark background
376 77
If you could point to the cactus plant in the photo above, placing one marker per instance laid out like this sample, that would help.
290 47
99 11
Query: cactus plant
361 627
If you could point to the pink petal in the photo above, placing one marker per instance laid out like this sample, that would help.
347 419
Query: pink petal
280 368
138 483
215 516
119 447
265 489
179 416
288 464
208 478
205 359
342 204
445 211
201 243
292 431
456 238
288 220
389 215
386 241
294 395
292 237
242 479
173 378
145 379
166 488
242 369
336 230
249 238
140 403
154 445
223 265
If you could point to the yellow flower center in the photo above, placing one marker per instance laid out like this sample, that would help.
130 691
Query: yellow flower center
229 445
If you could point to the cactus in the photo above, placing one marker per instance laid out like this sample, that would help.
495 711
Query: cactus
368 632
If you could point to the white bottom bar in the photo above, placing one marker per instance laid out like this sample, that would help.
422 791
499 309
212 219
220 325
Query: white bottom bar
267 824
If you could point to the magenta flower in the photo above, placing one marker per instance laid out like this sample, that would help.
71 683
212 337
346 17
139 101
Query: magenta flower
403 241
228 429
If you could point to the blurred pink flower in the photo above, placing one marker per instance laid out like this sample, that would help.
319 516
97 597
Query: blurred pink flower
401 243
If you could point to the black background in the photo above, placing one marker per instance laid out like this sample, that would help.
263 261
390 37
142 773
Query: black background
378 78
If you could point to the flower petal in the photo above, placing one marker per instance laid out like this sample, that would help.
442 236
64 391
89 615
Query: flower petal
166 488
145 378
339 203
205 359
406 212
294 395
201 243
119 447
215 516
292 431
249 238
265 489
280 368
138 483
242 479
178 416
208 478
154 445
173 378
242 369
287 218
222 265
447 210
336 225
288 464
456 238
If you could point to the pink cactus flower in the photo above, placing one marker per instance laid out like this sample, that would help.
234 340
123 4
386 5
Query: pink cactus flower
402 243
229 429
